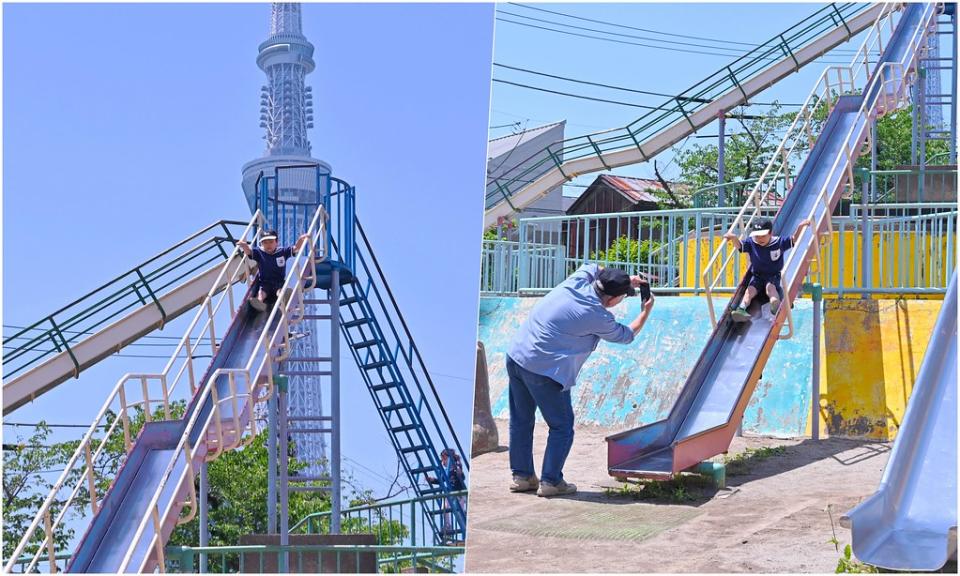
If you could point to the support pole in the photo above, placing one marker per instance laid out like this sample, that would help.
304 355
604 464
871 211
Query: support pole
283 564
721 166
816 290
922 115
953 92
335 401
204 515
272 460
874 134
866 239
916 120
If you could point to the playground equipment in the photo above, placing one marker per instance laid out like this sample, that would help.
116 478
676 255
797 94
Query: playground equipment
48 352
910 523
714 397
692 109
154 489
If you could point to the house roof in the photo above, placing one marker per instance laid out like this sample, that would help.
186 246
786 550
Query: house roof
633 189
500 146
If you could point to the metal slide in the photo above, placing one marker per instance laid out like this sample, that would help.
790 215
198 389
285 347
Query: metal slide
155 483
731 86
43 355
711 404
910 523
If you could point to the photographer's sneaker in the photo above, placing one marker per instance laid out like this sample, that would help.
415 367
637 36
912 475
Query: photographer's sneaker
524 483
561 488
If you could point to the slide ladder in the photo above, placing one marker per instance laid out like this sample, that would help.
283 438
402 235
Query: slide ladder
379 340
731 86
48 352
711 403
910 523
154 489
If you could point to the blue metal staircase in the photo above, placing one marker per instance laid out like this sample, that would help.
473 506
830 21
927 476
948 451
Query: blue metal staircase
395 375
379 340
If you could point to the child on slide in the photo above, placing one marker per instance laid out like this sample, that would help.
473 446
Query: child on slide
766 263
271 262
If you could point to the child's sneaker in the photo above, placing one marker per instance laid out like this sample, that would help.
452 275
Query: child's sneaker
257 305
524 483
561 488
740 315
774 306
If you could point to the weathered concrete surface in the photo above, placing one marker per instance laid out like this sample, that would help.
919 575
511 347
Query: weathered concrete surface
485 436
774 519
628 386
872 350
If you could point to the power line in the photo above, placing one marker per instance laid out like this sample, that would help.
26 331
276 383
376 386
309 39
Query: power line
649 31
626 42
38 424
623 88
157 336
580 96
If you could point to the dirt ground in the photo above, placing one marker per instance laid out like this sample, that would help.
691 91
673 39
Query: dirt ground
773 517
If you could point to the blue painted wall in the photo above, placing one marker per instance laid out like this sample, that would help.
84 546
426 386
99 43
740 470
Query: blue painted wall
636 384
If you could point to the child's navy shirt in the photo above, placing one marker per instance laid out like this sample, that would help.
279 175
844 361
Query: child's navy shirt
767 260
272 271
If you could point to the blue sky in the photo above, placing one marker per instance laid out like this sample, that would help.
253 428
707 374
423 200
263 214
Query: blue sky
125 128
669 70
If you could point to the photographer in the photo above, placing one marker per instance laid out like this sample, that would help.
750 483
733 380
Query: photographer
545 357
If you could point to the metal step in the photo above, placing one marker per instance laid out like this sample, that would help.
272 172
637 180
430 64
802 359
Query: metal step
393 407
384 386
350 300
309 419
308 359
404 428
308 488
412 449
364 344
355 323
308 479
293 430
422 470
316 317
379 364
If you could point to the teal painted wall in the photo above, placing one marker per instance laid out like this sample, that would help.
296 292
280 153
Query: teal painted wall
636 384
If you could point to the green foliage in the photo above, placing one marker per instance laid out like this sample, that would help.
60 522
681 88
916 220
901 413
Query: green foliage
628 250
678 490
894 136
31 466
849 564
741 463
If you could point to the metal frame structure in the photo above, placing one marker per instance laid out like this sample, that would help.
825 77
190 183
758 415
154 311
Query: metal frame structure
682 115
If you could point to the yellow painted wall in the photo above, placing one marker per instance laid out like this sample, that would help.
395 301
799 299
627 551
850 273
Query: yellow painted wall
872 351
905 248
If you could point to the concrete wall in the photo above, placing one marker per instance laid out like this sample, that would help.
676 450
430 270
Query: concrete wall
871 353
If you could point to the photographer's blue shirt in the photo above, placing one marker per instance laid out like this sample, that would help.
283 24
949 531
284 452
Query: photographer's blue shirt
565 327
767 260
271 267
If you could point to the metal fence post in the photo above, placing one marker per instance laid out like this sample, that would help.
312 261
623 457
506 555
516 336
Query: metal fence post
816 290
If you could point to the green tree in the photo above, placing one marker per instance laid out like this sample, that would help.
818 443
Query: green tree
630 251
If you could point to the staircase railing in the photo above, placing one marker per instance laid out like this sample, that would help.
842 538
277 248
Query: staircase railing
140 286
885 89
678 109
253 383
133 394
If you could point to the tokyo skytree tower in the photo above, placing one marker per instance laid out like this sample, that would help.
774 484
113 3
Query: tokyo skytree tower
286 113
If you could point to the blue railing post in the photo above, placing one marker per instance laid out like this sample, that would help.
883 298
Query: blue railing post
523 256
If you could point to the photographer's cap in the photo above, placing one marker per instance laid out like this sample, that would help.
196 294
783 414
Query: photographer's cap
761 228
615 282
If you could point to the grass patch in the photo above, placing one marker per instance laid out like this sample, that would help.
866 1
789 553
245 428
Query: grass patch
677 490
742 463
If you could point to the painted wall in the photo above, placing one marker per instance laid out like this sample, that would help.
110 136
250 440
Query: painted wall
632 385
871 354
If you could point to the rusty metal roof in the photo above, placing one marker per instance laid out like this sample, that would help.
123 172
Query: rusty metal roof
633 188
